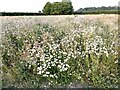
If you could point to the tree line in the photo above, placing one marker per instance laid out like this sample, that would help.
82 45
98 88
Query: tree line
65 8
20 14
98 10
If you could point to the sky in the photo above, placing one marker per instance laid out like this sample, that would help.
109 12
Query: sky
37 5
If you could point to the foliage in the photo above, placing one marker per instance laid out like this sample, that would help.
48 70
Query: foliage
60 54
47 8
58 8
20 14
98 10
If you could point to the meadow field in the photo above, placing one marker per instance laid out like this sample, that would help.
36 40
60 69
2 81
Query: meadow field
73 51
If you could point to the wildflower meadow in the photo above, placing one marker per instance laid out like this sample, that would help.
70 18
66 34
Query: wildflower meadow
60 51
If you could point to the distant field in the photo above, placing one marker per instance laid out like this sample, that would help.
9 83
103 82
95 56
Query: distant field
60 51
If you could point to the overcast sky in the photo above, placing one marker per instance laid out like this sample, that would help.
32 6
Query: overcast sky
37 5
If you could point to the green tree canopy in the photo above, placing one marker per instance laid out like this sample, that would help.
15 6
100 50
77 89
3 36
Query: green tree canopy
58 8
47 8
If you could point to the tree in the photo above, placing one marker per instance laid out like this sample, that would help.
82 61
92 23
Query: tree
47 8
67 8
61 8
58 8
